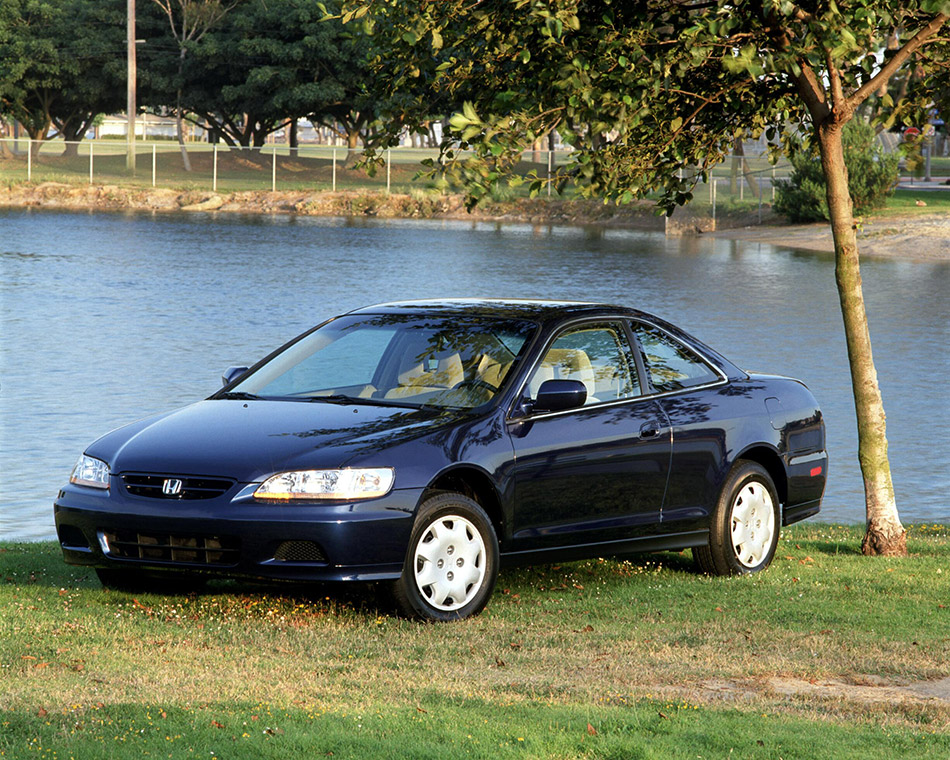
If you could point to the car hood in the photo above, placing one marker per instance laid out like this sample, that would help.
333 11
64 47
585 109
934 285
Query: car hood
250 440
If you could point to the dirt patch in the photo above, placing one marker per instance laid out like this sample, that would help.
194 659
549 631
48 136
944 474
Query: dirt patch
864 689
918 238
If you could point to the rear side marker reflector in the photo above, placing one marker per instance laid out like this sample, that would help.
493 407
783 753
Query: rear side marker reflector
815 472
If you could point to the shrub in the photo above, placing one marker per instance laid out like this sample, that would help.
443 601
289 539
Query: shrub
872 177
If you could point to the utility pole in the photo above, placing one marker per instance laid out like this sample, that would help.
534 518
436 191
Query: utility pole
130 89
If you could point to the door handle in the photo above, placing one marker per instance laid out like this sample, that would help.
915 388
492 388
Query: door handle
649 430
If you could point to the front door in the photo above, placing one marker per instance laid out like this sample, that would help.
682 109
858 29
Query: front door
597 473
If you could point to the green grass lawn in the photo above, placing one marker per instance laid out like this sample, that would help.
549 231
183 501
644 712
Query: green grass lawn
596 659
904 203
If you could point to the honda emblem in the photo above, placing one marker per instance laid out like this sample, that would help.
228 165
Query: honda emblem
171 487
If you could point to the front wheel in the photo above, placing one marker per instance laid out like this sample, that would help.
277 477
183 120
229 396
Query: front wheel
744 530
452 562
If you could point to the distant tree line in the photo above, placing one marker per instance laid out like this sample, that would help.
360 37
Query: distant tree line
242 68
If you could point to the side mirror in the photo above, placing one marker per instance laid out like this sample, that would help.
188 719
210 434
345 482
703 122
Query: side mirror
231 374
557 395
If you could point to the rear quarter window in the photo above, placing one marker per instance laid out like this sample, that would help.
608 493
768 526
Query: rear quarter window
671 365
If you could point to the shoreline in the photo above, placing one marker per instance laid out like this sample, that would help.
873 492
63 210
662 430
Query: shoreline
915 238
919 238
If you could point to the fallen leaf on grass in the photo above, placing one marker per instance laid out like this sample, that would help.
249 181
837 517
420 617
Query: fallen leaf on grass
591 730
216 724
42 712
663 715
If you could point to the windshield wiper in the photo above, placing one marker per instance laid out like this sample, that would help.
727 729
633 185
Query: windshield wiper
242 395
341 398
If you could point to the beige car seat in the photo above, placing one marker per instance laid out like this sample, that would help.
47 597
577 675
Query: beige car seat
446 373
565 364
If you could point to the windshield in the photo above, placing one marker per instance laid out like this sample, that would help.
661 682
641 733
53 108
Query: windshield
395 359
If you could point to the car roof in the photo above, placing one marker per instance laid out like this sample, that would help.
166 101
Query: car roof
511 308
542 312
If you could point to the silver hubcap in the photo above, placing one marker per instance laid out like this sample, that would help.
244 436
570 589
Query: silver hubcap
449 563
753 523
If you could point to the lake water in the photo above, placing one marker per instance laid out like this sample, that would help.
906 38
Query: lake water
105 318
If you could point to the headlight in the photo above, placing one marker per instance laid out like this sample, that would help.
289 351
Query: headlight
328 484
90 472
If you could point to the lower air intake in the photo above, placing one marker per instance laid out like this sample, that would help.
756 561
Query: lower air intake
166 547
299 551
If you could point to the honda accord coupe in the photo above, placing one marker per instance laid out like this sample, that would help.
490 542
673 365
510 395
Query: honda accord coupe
428 444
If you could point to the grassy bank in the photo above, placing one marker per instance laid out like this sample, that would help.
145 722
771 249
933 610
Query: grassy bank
602 659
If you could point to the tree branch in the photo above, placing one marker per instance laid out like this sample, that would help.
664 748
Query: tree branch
898 59
838 101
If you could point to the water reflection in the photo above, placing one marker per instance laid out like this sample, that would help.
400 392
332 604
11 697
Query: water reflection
106 318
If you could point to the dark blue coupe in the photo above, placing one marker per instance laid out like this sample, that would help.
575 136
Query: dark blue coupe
429 443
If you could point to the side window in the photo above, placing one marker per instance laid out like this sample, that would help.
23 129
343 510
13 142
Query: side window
672 366
596 354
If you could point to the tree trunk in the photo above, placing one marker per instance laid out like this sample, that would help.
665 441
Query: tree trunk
352 146
185 160
747 174
5 150
73 133
536 151
37 136
292 136
885 534
734 169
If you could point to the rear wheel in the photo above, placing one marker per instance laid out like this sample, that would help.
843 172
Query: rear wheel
744 530
452 562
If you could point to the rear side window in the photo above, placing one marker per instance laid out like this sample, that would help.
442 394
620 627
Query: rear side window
671 365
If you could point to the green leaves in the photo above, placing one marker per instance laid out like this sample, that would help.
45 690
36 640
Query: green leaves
643 92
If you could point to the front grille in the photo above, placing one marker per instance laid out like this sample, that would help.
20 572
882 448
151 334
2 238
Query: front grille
299 551
166 547
183 488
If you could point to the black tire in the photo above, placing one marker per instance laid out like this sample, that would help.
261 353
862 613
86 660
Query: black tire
744 530
134 579
466 570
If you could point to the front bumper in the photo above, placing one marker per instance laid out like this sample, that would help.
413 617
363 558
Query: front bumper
236 536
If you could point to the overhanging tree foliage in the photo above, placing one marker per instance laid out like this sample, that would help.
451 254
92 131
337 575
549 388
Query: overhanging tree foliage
643 90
